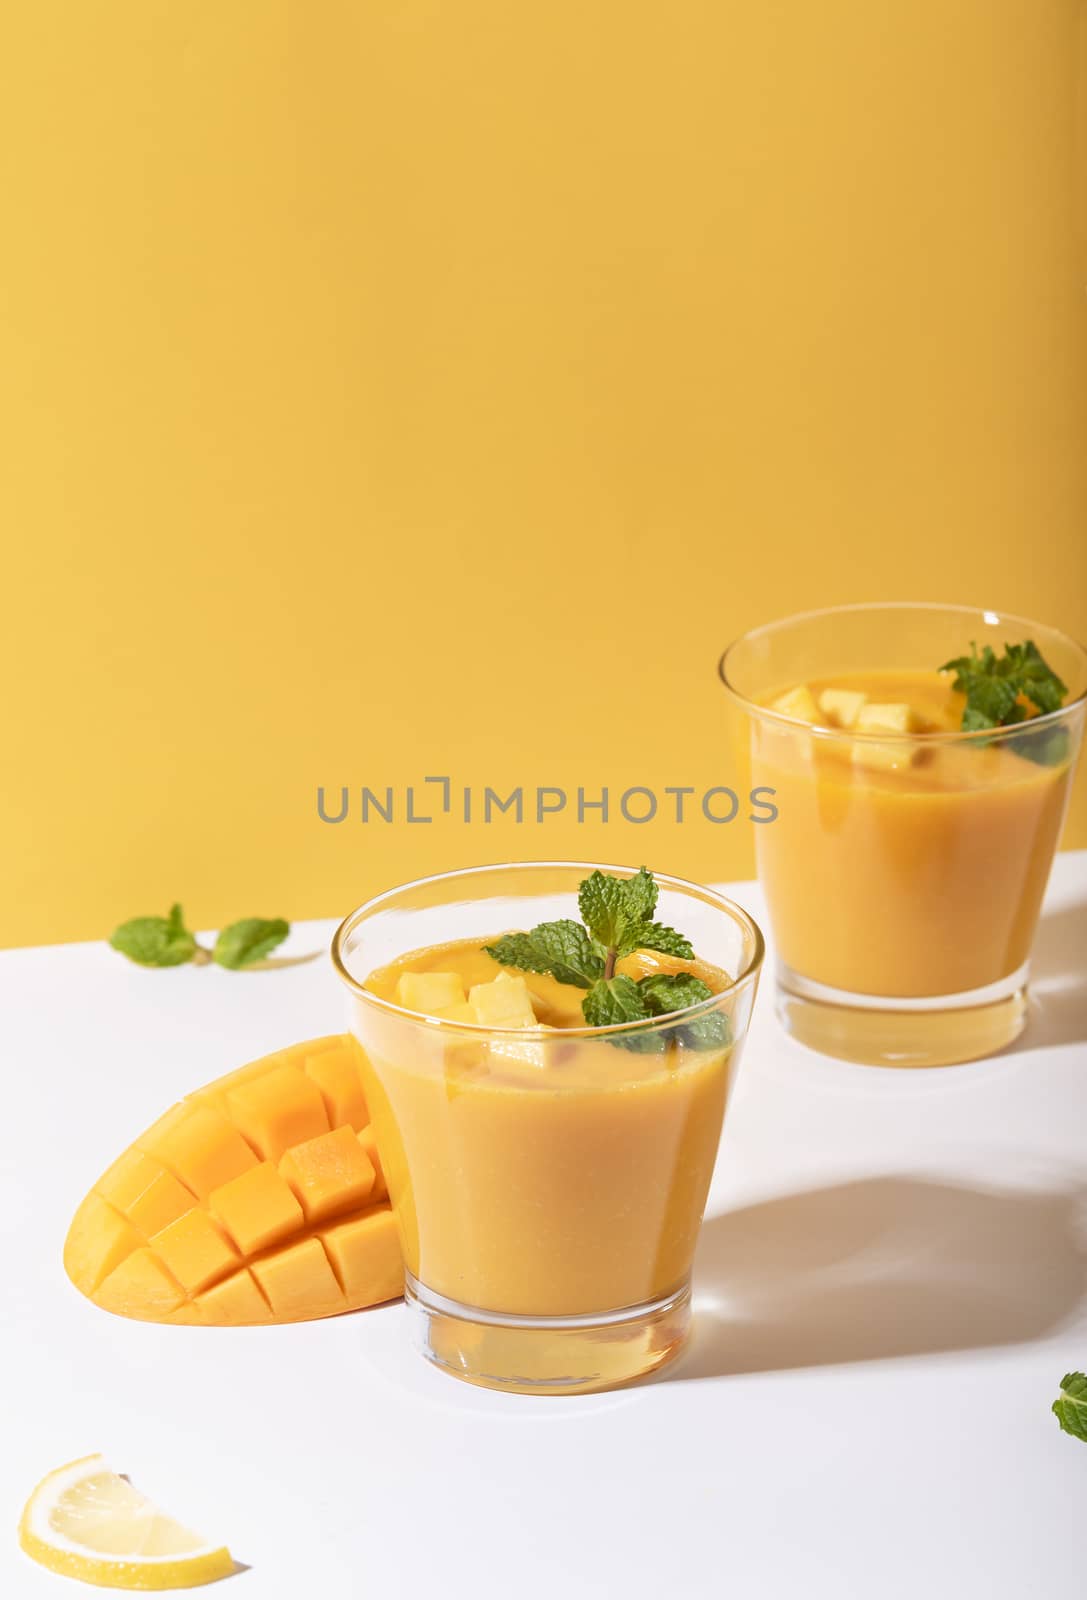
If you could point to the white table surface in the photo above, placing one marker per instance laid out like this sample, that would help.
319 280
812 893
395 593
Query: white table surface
891 1281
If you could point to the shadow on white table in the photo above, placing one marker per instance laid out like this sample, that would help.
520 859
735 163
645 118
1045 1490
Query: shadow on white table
900 1264
881 1267
1058 985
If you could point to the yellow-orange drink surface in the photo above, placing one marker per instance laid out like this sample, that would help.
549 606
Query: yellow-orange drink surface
924 878
565 1176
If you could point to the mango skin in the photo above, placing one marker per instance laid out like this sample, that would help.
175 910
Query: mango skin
257 1199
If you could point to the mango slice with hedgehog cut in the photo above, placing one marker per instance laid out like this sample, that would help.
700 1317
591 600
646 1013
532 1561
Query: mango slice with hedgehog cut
259 1198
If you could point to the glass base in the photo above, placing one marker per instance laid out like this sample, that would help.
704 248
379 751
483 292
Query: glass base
546 1355
890 1032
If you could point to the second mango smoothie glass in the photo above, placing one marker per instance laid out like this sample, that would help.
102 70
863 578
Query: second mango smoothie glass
904 872
548 1185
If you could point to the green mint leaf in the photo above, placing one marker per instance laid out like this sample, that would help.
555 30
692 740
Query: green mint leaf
1041 685
1071 1409
711 1032
1048 747
614 1000
602 901
964 668
639 896
249 940
611 907
996 686
655 936
990 702
563 949
665 992
155 941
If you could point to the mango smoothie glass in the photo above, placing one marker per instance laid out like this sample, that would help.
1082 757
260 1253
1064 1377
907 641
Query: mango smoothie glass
548 1183
904 871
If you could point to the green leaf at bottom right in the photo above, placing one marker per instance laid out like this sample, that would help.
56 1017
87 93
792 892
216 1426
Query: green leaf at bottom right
1071 1409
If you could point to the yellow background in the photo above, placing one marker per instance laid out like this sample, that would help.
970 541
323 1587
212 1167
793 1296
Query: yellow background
402 388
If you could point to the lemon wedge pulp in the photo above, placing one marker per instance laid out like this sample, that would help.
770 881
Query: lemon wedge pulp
85 1521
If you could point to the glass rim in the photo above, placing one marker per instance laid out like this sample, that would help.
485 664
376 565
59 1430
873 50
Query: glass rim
1048 719
720 902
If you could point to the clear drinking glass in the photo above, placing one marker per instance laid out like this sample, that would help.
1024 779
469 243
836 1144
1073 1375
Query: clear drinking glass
548 1184
903 873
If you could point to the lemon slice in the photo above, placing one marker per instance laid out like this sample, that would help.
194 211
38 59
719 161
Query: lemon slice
86 1522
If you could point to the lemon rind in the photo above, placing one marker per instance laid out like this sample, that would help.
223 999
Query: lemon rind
61 1555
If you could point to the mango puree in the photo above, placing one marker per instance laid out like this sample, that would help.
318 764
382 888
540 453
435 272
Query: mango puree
925 880
534 1173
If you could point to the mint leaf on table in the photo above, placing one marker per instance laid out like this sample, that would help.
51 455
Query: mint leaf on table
242 943
166 942
1071 1409
155 941
563 949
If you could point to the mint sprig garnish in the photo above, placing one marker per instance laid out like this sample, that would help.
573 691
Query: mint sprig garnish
1002 691
563 949
166 942
1071 1409
618 920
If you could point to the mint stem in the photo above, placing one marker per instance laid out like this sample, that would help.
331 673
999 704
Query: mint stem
609 964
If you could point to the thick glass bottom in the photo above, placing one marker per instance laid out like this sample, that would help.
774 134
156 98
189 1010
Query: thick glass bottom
546 1355
891 1032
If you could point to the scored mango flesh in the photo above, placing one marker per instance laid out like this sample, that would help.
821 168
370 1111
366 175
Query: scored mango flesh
259 1198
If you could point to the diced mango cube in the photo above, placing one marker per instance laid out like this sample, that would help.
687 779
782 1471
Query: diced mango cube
877 757
841 707
463 1011
518 1052
141 1188
98 1240
503 1003
366 1139
194 1249
236 1300
886 718
257 1209
277 1110
299 1282
329 1174
798 703
140 1287
217 1091
200 1145
365 1252
429 992
336 1074
892 756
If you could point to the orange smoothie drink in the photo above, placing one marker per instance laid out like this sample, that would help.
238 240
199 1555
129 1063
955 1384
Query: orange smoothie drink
905 869
549 1136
